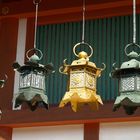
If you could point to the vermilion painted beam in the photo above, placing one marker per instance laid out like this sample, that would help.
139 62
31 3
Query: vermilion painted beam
54 11
58 116
104 13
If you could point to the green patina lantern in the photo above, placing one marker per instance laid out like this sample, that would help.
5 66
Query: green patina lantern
32 82
129 82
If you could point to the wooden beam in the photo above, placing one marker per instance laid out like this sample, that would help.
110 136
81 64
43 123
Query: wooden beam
96 14
91 131
54 11
58 116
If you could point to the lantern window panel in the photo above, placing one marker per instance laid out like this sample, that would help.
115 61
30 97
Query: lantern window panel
138 82
127 84
25 80
77 79
38 81
90 81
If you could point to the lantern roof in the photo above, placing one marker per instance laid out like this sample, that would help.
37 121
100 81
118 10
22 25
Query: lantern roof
81 62
28 66
128 67
133 63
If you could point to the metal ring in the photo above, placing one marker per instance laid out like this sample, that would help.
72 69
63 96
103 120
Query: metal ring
36 1
80 43
41 54
128 45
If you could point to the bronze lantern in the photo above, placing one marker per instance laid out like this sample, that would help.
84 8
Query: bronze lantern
128 76
32 81
82 81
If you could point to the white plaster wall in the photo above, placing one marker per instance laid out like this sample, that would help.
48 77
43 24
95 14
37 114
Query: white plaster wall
67 132
21 42
120 131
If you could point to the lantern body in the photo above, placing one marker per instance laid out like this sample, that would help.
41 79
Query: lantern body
129 86
32 85
83 77
81 85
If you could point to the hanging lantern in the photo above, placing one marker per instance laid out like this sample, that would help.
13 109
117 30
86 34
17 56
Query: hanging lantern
129 82
32 76
32 82
82 81
129 76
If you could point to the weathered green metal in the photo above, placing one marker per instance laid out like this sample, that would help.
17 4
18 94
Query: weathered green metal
129 83
32 82
108 38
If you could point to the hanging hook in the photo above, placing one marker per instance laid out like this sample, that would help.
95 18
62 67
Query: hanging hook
134 53
81 43
36 50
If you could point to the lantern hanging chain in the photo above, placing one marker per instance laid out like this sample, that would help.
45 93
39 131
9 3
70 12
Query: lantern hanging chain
36 14
134 21
83 28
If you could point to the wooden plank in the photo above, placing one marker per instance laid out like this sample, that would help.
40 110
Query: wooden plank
58 116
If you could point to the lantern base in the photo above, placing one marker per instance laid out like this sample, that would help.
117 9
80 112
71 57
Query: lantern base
33 97
79 97
130 101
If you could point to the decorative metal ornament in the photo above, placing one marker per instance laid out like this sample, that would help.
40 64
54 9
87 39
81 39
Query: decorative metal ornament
129 83
32 82
2 82
129 76
82 81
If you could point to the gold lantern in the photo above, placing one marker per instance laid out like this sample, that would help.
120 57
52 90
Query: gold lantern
82 81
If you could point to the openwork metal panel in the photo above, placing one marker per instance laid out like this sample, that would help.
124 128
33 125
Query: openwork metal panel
108 38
